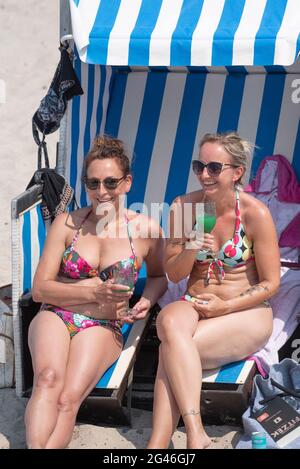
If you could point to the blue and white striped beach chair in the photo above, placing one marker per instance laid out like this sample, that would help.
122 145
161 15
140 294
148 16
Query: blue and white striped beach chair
158 75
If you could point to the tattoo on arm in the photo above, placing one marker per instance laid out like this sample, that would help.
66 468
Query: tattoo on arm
173 241
255 288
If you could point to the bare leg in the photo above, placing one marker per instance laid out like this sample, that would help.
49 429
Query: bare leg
233 337
92 351
49 346
165 410
176 326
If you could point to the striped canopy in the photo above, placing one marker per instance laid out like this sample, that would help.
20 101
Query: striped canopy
186 32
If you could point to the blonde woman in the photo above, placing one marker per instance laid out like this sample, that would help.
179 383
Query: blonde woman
225 315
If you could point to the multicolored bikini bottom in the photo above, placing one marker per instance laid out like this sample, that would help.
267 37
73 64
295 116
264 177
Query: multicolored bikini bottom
76 322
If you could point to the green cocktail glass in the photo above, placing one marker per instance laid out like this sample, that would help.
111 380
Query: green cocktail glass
207 220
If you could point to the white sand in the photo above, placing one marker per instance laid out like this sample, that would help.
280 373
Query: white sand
28 56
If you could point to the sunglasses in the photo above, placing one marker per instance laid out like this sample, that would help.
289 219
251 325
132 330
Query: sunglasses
214 168
109 183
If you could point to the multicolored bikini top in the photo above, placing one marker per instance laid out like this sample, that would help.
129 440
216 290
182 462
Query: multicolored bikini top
235 252
76 267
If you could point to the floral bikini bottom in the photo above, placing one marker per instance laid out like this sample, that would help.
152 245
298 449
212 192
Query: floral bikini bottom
76 322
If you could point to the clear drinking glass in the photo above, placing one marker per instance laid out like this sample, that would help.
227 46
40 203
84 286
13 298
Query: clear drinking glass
206 220
125 275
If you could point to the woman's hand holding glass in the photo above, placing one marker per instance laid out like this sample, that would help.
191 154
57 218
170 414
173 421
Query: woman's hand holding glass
109 292
124 278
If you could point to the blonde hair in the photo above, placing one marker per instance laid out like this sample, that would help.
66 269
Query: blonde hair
107 147
240 150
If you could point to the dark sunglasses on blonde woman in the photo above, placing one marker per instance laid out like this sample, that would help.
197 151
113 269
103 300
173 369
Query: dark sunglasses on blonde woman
214 168
109 183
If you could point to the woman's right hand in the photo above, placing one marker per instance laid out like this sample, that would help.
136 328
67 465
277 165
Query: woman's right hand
108 292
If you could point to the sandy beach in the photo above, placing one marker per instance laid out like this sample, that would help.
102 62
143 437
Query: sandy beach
28 56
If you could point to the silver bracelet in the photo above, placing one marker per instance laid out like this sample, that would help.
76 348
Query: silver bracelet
192 412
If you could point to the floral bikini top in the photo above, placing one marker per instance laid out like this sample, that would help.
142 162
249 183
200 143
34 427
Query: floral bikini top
235 252
76 267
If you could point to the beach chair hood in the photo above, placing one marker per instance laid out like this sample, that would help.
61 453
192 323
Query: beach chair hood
186 32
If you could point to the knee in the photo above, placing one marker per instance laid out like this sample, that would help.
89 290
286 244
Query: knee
167 326
47 378
69 401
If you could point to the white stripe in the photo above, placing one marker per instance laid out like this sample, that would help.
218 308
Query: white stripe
165 138
34 240
202 39
250 111
208 118
68 137
118 45
127 354
244 374
286 40
95 99
244 38
21 248
105 99
210 376
83 18
82 124
160 43
288 121
129 122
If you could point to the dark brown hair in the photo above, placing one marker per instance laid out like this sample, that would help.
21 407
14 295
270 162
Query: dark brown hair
107 147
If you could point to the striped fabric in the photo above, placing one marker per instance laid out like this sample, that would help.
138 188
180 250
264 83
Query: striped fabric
186 32
32 236
233 373
161 117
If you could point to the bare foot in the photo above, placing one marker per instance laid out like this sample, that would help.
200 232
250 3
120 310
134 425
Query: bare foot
200 441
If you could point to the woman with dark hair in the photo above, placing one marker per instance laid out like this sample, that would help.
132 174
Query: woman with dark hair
225 315
76 335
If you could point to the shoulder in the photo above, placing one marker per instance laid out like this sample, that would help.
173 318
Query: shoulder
191 197
254 212
70 220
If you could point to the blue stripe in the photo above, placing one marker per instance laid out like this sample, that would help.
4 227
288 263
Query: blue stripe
140 285
139 43
99 114
231 103
114 112
296 156
76 2
230 373
185 136
41 230
99 35
268 119
264 46
75 128
182 35
104 380
147 128
222 49
26 246
87 124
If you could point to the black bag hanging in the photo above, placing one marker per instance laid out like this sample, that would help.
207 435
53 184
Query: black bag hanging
64 86
57 193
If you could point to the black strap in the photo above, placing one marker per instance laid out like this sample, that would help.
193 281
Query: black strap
286 392
42 147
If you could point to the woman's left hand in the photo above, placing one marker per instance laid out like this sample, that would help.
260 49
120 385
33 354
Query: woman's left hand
209 305
140 311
